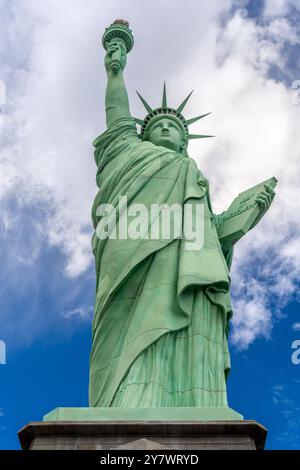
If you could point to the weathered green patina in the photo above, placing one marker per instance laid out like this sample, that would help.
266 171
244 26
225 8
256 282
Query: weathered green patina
160 329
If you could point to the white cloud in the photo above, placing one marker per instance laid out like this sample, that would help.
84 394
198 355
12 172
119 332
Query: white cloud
55 107
296 326
8 177
253 318
274 8
84 313
65 231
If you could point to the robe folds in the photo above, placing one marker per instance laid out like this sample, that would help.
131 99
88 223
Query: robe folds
162 310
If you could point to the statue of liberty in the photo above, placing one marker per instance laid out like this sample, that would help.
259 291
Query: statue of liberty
162 311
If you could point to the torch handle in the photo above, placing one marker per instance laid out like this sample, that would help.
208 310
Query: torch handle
116 61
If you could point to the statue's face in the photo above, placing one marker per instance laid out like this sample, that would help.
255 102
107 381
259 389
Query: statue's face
166 133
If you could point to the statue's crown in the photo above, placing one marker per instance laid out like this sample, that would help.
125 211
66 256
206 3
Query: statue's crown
165 111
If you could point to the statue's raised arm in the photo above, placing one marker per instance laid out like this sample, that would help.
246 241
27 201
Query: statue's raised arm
117 41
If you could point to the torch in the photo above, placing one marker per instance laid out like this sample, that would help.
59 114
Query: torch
118 30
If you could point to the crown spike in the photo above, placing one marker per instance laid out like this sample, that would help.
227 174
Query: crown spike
199 136
147 107
164 98
180 108
191 121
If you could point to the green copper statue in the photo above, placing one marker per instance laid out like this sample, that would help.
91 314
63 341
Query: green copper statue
162 310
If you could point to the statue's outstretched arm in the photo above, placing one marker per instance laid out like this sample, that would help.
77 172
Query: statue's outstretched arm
116 98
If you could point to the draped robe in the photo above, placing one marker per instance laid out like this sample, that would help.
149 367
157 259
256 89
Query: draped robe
162 311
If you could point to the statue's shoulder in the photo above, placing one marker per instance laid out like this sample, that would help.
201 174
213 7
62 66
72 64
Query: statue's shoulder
120 136
123 128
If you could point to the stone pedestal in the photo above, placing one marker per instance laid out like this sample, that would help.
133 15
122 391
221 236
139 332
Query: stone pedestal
152 433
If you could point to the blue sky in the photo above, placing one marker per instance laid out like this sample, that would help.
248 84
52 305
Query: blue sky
241 58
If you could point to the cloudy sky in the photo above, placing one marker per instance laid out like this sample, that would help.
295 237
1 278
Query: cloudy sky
242 60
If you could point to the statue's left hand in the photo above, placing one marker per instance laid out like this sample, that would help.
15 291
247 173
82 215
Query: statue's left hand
264 200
